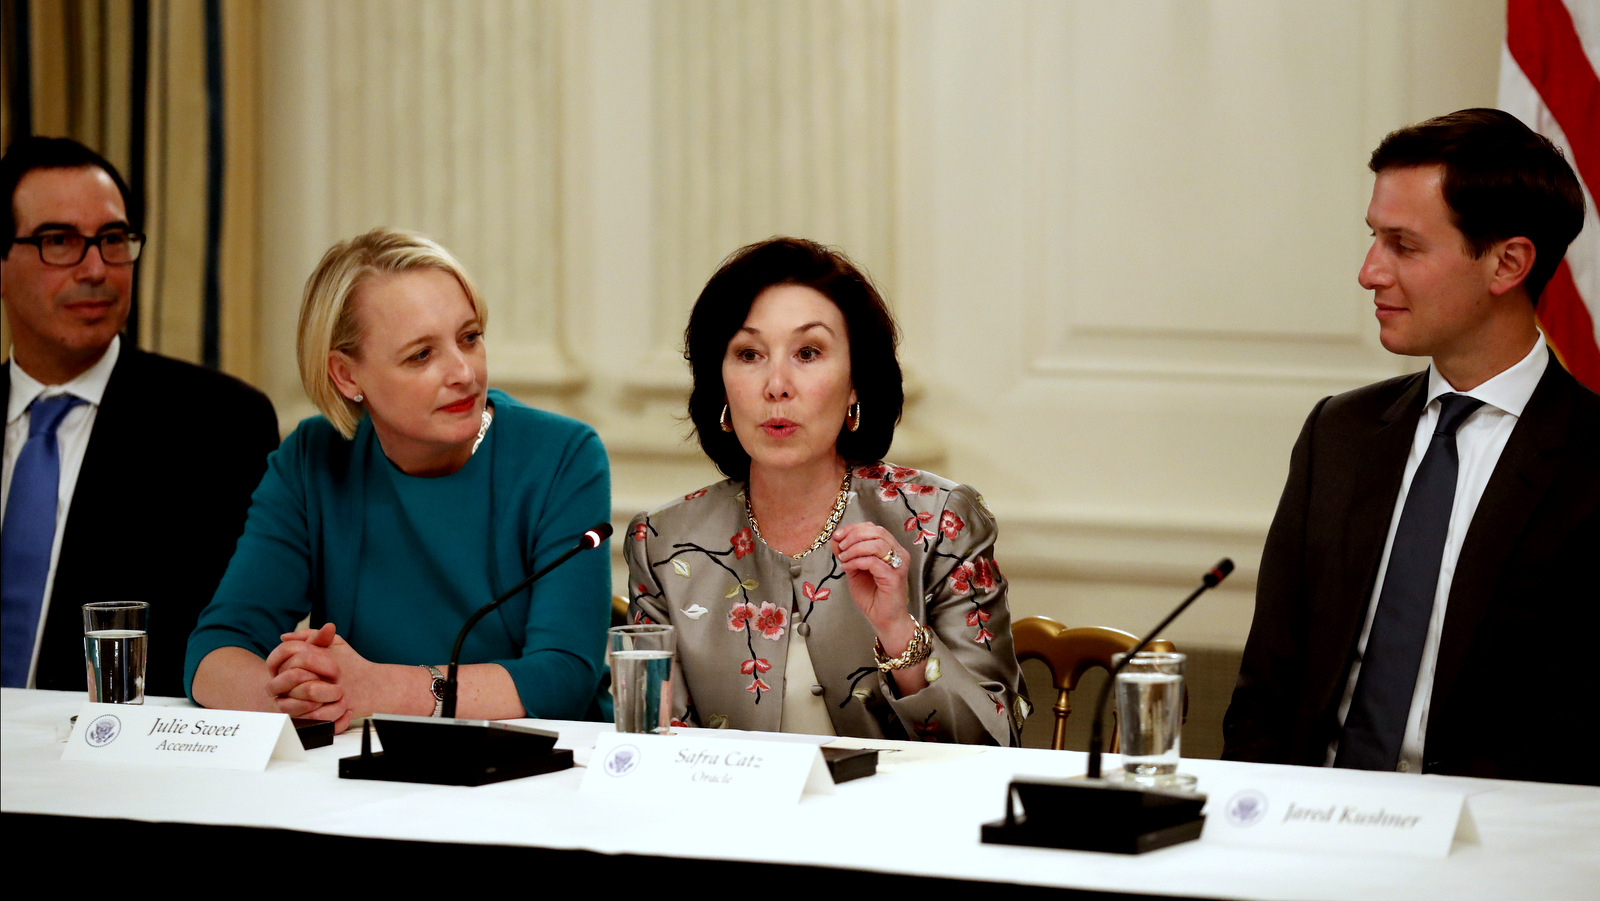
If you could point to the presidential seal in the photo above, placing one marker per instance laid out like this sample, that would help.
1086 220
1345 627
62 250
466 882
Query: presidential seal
621 760
1247 808
103 731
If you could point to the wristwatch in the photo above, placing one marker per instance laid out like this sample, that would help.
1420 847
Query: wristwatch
437 687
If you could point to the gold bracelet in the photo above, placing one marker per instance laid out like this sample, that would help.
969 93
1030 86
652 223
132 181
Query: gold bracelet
917 651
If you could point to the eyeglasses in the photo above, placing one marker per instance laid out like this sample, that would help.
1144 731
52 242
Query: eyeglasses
117 248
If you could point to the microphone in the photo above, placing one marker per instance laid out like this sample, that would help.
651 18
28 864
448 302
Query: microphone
448 751
1093 814
1210 580
590 540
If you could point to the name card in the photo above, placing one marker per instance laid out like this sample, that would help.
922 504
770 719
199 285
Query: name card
706 768
181 736
1365 818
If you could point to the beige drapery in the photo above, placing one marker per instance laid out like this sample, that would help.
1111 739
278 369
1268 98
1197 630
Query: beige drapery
81 83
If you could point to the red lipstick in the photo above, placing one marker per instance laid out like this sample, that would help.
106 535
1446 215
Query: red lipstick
463 405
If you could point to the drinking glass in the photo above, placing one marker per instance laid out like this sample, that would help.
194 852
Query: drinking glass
1150 715
115 647
641 676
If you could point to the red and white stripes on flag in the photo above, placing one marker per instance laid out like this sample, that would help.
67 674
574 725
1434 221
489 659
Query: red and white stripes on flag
1548 80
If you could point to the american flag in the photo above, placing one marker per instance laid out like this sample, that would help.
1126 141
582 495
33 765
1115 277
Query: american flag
1548 80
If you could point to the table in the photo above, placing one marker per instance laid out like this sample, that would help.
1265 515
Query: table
1533 840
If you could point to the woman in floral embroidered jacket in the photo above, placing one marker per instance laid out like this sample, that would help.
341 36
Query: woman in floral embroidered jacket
819 589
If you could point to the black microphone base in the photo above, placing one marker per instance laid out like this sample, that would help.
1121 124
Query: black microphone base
454 752
1096 815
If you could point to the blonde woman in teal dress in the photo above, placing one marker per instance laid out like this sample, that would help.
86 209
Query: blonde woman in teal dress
419 495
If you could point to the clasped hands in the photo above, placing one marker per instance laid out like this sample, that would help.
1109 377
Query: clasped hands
315 674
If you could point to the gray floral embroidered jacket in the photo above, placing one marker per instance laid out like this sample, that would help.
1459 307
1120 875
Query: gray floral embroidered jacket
735 604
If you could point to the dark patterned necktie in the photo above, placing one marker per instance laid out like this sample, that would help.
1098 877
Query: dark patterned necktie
28 534
1375 725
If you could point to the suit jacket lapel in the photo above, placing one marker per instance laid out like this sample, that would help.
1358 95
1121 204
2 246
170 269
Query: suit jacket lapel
1377 469
1527 466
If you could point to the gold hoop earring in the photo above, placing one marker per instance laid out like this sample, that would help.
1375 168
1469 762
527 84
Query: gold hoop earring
724 420
852 419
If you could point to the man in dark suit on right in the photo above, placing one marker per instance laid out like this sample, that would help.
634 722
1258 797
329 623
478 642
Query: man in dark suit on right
1439 533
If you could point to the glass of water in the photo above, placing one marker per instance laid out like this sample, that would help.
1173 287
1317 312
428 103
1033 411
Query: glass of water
115 647
1150 716
641 676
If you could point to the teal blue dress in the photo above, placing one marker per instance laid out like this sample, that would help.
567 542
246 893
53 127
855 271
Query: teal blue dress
397 563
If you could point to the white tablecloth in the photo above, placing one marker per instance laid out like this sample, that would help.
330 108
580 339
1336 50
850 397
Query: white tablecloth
1532 840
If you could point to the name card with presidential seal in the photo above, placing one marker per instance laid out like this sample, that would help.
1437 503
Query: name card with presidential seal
700 768
181 736
1384 816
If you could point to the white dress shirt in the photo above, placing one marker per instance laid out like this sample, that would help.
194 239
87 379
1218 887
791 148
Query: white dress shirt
72 439
1479 443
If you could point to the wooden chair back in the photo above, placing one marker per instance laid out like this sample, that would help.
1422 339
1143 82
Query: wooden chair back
1069 653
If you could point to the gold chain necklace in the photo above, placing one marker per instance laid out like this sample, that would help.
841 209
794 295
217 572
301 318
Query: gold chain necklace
827 529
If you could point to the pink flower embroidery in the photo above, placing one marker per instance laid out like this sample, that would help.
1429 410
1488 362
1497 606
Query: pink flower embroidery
754 665
983 637
743 543
770 620
739 615
889 489
977 616
984 573
639 619
814 594
998 707
960 579
875 471
641 532
757 686
902 474
950 524
692 496
915 524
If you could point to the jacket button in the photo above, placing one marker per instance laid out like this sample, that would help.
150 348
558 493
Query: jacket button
816 690
804 629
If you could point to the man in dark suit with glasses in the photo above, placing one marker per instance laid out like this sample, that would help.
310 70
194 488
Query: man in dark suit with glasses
127 475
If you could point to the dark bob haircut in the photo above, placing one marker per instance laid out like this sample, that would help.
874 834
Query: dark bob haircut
30 153
1501 180
724 305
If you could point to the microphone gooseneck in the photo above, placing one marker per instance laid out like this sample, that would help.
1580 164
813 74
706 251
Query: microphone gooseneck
1210 580
590 540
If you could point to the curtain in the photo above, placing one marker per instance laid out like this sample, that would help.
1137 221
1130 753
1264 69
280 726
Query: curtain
165 90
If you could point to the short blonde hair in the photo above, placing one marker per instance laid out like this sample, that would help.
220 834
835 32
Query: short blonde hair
328 320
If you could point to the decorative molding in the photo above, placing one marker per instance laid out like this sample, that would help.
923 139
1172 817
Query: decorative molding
770 118
1162 311
444 118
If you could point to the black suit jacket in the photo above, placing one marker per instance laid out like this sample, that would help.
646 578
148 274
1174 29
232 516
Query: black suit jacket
1527 576
161 498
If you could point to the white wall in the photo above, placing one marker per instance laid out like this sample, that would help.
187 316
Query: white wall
1121 238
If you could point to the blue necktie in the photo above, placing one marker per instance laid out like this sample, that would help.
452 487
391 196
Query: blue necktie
1375 725
27 535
